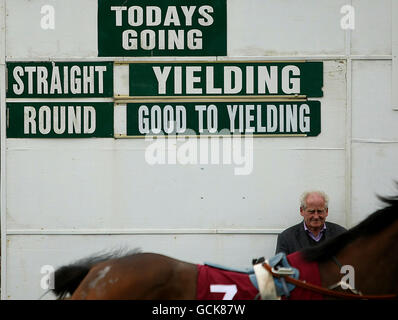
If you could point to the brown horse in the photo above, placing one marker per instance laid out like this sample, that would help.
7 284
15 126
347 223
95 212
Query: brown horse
370 248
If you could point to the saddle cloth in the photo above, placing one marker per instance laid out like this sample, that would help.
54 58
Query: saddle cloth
309 272
219 284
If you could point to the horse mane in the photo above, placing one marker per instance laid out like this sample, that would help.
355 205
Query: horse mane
67 278
374 223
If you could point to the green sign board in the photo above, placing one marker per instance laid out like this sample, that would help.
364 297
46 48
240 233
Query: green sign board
162 28
59 79
59 120
226 79
215 118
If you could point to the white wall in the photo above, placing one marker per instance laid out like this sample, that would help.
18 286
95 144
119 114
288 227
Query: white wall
67 198
374 137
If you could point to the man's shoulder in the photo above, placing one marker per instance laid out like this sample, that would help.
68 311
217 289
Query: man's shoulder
335 227
292 229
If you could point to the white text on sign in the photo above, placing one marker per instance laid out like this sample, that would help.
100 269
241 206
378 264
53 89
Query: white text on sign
263 80
151 16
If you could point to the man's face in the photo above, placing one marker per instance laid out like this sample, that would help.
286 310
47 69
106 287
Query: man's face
314 213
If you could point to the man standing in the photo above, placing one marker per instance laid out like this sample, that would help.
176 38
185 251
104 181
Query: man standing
314 229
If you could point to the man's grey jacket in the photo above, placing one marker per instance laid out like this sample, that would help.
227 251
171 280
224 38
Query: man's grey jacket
296 238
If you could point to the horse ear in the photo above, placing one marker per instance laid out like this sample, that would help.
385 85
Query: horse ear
391 200
258 260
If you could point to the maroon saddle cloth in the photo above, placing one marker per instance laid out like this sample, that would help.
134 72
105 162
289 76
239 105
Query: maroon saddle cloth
309 271
219 284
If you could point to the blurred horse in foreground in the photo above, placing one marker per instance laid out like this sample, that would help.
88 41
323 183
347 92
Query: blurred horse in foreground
370 248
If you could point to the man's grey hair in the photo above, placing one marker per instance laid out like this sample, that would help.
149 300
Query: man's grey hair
304 196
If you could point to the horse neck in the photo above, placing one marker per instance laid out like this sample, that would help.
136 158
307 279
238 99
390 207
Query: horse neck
374 260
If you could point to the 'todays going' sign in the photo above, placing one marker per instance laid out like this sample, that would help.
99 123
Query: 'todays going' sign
162 28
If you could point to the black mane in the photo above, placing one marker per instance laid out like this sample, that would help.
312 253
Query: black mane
374 223
67 278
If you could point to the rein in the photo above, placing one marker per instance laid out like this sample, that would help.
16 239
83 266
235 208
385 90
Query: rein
325 291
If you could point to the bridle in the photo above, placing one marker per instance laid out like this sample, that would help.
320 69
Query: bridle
328 291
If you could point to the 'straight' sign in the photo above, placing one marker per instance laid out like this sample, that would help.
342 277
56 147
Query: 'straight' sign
60 79
162 28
